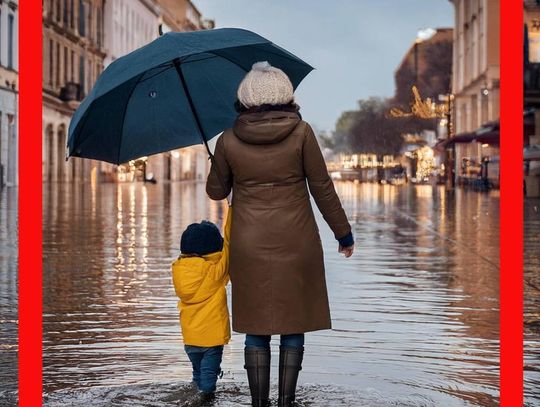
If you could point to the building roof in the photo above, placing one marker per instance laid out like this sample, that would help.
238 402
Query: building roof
175 14
441 34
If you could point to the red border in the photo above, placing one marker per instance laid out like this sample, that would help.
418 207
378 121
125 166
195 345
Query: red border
30 266
511 204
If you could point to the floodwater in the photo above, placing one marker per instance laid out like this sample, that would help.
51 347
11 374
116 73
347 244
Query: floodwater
8 291
531 317
415 310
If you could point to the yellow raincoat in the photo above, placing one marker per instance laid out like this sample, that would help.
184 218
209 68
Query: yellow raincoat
200 283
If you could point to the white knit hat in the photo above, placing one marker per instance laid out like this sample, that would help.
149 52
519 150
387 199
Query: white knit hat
265 84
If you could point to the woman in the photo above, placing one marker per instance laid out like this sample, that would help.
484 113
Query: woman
276 257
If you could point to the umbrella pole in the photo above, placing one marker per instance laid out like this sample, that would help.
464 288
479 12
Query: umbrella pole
197 120
192 106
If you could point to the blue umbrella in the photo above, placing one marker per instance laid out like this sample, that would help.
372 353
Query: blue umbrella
177 91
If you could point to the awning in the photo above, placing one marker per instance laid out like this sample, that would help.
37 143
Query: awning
460 138
487 134
492 137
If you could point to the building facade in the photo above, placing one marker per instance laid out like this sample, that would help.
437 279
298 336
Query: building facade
128 25
531 75
427 65
73 57
189 163
80 38
9 96
475 87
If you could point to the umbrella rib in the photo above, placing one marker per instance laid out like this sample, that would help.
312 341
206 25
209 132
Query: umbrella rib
191 105
185 61
230 60
156 74
124 117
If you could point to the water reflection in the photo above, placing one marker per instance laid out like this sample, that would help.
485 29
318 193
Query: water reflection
415 311
8 289
531 270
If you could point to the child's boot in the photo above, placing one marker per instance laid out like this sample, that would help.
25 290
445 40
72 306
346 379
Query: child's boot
257 364
290 364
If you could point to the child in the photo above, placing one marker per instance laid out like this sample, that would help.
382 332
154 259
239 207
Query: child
200 275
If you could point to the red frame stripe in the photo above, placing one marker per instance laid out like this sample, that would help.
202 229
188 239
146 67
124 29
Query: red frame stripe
511 204
30 265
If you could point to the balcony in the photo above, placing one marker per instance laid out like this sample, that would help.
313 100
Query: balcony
71 92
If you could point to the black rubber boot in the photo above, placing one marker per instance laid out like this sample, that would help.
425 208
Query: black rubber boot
257 364
290 364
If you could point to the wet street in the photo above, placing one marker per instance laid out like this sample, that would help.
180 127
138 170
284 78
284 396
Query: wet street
415 311
8 290
531 317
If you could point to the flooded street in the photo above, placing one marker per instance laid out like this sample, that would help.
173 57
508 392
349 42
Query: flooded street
8 290
415 310
531 260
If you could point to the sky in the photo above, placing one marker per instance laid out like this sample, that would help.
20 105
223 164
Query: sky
355 45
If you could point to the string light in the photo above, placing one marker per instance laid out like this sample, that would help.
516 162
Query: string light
425 109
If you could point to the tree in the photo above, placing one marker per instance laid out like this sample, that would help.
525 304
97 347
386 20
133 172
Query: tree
371 130
433 77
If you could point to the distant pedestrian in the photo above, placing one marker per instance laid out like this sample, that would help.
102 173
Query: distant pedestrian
200 275
276 259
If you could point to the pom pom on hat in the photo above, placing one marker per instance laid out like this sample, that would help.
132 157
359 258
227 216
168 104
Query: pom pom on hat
262 66
265 84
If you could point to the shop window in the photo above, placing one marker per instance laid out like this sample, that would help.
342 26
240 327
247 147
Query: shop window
11 21
534 41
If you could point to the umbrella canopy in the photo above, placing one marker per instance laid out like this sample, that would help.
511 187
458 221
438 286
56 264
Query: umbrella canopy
177 91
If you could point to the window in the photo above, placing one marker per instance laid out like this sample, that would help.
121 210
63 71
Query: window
72 14
81 18
57 64
65 13
534 41
89 75
10 41
89 27
72 66
99 27
81 73
66 66
58 10
51 61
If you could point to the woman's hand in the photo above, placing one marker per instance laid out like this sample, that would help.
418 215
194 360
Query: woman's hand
347 251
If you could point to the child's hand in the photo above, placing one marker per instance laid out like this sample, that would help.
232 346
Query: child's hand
347 251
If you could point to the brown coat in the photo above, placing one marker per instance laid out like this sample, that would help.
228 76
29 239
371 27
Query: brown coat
276 257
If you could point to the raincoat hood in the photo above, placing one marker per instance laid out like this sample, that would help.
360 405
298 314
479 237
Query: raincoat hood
266 127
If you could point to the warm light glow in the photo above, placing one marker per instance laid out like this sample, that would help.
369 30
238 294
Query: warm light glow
175 154
425 109
485 145
425 162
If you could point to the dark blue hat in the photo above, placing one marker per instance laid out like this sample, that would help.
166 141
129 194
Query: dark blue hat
201 238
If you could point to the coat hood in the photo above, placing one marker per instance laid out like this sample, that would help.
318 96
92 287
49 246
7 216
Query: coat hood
189 273
266 127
